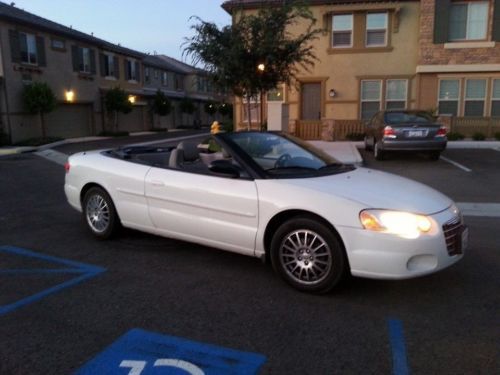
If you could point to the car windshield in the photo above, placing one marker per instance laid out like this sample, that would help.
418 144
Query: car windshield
394 118
278 154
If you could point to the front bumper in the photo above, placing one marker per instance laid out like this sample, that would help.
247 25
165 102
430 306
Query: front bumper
387 256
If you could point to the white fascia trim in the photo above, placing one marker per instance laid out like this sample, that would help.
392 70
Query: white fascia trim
464 68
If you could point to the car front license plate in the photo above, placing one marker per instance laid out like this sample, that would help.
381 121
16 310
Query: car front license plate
415 133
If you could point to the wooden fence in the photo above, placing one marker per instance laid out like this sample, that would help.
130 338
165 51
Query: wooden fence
309 129
342 128
467 126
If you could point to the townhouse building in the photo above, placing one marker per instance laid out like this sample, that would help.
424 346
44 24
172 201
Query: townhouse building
80 68
435 55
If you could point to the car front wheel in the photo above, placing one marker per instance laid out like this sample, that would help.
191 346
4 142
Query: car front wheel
308 256
99 213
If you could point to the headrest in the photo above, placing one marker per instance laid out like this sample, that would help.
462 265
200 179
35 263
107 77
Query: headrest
189 150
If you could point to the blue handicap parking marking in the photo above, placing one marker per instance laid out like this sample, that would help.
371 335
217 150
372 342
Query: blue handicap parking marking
77 272
140 352
398 347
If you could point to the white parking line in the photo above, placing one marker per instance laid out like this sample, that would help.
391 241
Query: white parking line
479 209
458 165
53 156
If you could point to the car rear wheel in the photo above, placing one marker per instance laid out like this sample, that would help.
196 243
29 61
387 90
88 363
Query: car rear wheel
308 256
377 152
368 147
99 213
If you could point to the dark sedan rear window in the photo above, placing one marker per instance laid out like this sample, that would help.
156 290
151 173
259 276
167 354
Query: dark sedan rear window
394 118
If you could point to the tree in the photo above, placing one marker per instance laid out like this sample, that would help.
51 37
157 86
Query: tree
226 109
116 100
210 108
258 51
38 98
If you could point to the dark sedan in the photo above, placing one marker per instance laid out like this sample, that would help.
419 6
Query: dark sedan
404 131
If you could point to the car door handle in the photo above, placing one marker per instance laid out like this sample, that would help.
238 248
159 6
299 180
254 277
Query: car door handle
157 183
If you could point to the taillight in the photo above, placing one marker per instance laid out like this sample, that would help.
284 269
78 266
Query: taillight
441 132
67 166
389 132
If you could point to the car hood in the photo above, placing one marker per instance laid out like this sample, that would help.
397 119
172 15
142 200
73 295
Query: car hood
381 190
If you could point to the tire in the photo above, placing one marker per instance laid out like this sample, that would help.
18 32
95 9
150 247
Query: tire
303 237
367 146
434 155
99 213
377 152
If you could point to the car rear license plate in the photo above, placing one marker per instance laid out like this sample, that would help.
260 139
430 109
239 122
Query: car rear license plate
416 133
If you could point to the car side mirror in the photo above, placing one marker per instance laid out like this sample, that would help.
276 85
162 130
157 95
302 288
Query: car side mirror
224 168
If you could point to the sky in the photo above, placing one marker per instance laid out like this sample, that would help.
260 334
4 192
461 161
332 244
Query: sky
143 25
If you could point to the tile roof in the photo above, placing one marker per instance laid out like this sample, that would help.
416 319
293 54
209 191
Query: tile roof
13 14
185 68
230 5
157 62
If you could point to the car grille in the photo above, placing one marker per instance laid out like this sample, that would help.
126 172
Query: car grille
452 234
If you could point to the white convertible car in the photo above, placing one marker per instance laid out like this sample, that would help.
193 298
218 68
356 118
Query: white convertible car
271 196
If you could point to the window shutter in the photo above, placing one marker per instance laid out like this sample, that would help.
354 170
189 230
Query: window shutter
40 51
125 69
15 48
496 21
137 72
92 61
441 21
75 59
102 66
117 67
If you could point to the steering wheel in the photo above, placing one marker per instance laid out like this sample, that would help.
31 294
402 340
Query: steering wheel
282 161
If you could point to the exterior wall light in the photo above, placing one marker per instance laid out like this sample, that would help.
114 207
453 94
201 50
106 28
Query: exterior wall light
261 67
69 95
332 93
131 99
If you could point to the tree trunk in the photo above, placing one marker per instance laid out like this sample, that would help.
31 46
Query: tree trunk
42 125
115 121
249 113
262 110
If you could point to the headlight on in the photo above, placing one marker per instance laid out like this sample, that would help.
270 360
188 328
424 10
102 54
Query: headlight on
404 224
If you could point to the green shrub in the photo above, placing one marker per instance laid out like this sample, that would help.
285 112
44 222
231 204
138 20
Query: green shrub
228 126
106 133
161 104
355 136
455 136
478 136
497 136
38 141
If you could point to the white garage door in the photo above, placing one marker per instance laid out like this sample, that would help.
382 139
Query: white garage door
69 121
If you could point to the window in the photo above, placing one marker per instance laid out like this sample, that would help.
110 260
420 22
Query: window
58 44
342 30
179 82
495 99
376 29
156 73
475 93
468 21
449 92
164 78
370 98
109 65
147 76
85 62
28 48
202 84
254 109
132 70
396 93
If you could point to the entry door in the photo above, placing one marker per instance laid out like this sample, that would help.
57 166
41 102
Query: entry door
216 211
311 101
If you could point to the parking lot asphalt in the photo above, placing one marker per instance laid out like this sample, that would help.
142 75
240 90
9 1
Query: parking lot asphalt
445 323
